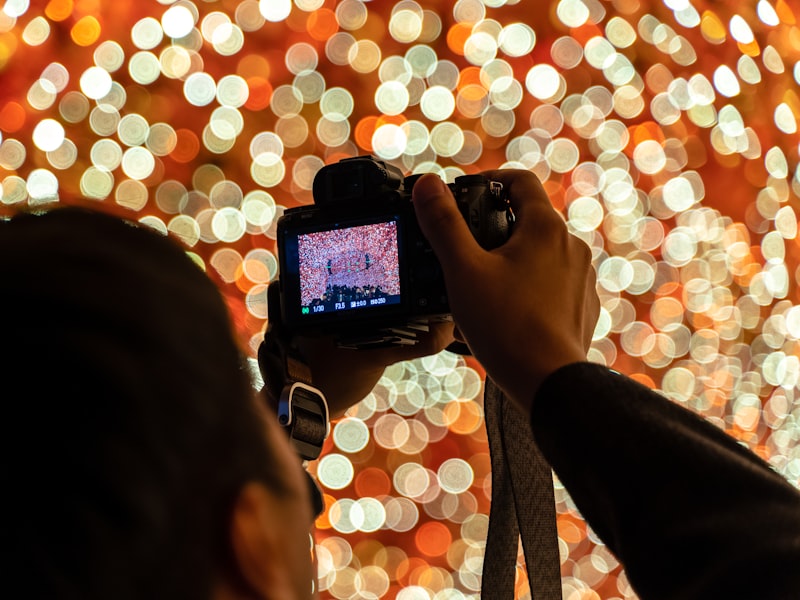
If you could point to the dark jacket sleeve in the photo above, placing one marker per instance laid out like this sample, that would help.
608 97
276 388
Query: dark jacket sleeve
690 512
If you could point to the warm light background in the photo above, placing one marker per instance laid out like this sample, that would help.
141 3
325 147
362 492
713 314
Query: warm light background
665 131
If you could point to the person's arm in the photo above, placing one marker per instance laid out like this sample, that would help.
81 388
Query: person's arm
690 513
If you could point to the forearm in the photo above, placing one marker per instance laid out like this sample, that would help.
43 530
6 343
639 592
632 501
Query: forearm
686 508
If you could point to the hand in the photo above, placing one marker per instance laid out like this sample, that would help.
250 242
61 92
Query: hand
345 376
526 308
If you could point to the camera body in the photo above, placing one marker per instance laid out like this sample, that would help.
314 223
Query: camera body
356 265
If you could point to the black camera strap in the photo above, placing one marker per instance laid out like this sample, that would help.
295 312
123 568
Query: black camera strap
522 506
301 408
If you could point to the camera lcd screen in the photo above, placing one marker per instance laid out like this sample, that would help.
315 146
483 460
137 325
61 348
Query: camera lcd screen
349 268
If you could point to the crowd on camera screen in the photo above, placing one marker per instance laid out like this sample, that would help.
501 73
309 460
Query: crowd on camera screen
349 264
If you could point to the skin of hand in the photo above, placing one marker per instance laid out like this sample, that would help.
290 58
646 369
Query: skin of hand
525 308
344 375
347 376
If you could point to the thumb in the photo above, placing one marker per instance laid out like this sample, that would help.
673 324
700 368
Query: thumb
442 223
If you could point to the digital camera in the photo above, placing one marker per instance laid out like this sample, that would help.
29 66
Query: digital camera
355 264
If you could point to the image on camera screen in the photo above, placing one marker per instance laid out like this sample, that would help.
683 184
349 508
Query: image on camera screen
349 268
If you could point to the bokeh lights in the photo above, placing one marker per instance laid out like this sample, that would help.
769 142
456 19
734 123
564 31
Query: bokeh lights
665 131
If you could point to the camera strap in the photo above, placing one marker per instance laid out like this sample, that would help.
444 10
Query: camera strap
301 408
522 506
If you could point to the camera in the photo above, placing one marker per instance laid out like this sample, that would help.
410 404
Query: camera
356 265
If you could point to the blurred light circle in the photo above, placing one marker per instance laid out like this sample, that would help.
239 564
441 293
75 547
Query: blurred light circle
446 139
338 46
304 171
572 13
417 137
16 8
132 194
346 515
64 156
543 81
248 16
147 33
225 193
13 190
455 475
422 59
678 194
293 130
389 141
42 94
275 10
95 83
332 133
351 435
336 103
585 213
258 208
268 145
212 22
364 56
161 139
42 186
374 518
215 143
335 471
286 101
200 89
301 57
116 97
260 265
228 39
437 103
57 74
649 157
395 68
144 67
480 48
566 52
36 32
269 173
391 98
562 155
471 149
411 480
73 107
175 62
226 122
232 91
133 129
405 24
109 56
12 154
310 85
517 39
178 21
96 183
228 224
372 581
48 135
106 154
138 163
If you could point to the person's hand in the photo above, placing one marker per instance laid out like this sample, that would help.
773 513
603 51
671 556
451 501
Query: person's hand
525 308
345 376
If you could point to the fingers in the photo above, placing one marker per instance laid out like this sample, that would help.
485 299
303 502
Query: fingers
524 191
442 224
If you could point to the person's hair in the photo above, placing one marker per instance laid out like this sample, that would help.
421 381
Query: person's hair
129 423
